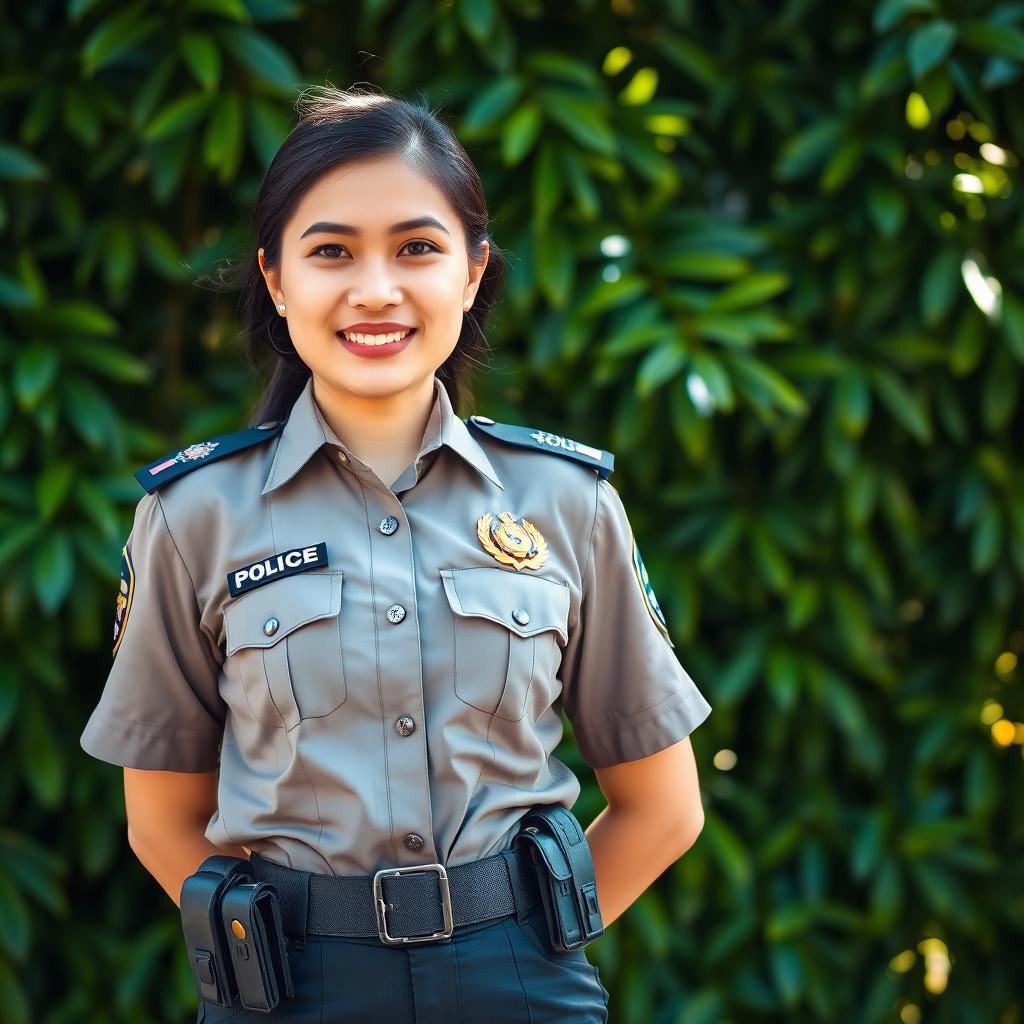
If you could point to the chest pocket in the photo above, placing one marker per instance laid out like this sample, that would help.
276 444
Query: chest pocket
283 640
509 633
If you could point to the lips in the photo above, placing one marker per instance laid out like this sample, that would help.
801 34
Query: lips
357 337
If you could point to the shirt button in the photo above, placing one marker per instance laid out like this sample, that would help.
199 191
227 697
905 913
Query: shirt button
342 457
521 615
414 841
270 626
395 613
388 525
405 725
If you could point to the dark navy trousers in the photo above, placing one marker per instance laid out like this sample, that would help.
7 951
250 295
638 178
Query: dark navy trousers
491 972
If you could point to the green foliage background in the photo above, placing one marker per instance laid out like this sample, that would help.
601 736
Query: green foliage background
768 254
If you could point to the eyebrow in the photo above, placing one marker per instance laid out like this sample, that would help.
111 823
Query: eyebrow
326 227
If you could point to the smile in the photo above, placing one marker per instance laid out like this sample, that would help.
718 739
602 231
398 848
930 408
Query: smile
374 339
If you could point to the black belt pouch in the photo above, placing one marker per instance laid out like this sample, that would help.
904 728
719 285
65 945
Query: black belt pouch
560 855
232 929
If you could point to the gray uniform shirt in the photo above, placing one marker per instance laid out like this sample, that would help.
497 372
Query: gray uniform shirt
391 697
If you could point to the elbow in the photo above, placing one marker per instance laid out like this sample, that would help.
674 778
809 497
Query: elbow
684 830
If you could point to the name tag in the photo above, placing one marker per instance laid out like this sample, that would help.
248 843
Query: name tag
287 563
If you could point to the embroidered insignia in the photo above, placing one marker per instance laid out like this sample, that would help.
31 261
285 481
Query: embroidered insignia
170 467
542 440
520 545
648 591
287 563
125 593
189 454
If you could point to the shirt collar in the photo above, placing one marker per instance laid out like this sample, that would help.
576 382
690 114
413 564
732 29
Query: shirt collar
306 432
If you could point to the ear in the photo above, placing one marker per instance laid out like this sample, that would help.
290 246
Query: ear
476 273
272 277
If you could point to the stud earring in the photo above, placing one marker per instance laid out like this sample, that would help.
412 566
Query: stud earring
281 306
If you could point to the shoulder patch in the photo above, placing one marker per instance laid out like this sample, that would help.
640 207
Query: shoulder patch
541 440
170 467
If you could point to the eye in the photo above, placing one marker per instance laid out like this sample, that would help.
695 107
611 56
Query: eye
430 247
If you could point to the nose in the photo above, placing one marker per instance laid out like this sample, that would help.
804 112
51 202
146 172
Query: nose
374 284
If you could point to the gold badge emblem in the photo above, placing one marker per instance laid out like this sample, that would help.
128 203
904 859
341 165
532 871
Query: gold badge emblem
517 544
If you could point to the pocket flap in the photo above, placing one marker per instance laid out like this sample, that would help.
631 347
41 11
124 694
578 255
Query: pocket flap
548 848
502 594
292 601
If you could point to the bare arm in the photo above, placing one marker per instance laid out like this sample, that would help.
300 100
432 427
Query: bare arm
167 817
653 817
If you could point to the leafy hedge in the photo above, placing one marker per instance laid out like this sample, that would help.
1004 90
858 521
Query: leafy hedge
770 255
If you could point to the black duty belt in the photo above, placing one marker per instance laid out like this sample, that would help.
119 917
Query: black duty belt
418 903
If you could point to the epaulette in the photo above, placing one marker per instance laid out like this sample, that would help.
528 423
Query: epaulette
170 467
541 440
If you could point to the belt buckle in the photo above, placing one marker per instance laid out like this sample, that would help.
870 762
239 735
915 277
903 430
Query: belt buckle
380 905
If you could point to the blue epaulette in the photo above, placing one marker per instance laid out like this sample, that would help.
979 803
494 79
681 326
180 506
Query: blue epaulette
170 467
542 441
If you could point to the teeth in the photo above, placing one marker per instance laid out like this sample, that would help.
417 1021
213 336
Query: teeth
374 339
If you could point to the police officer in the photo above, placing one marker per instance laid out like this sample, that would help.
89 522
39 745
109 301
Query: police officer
359 617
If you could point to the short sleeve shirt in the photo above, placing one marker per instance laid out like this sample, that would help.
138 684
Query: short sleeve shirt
377 671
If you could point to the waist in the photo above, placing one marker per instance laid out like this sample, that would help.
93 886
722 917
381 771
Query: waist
400 905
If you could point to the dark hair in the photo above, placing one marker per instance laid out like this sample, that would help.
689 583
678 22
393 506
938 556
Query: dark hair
337 127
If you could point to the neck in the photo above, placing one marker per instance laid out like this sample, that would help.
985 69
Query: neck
385 431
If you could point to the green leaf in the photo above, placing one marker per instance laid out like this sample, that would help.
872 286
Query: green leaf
688 57
547 183
268 127
264 59
52 571
907 407
478 18
554 256
82 318
660 365
52 487
519 133
178 115
929 45
787 972
889 13
887 208
35 370
940 286
759 381
1013 325
491 103
235 10
202 57
808 149
18 165
999 40
1000 391
108 361
15 926
116 36
90 413
751 290
565 67
853 402
581 120
716 379
161 251
705 266
222 143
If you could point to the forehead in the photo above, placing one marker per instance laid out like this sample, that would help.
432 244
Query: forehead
372 195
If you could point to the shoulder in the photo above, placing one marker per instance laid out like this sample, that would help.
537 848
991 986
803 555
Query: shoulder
173 465
512 437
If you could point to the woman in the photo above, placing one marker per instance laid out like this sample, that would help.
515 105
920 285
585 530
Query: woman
344 634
